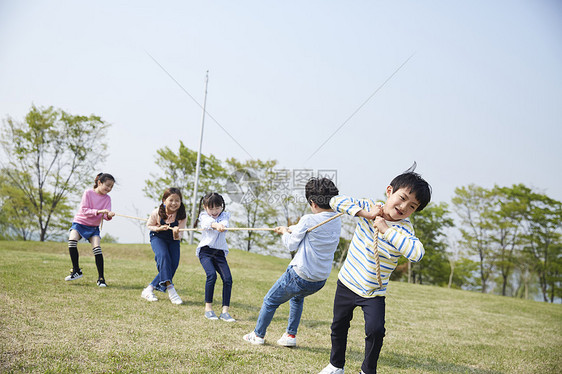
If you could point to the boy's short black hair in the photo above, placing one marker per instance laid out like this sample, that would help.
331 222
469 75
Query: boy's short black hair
416 184
320 191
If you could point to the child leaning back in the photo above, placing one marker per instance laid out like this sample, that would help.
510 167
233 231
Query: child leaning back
357 280
212 251
164 224
95 206
311 266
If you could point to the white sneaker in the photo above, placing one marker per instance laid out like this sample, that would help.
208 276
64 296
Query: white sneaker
174 297
287 341
148 294
254 339
74 275
331 369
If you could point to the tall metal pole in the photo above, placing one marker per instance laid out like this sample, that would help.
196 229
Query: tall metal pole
198 167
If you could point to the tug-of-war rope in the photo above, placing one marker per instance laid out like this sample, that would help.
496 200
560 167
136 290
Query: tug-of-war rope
375 244
240 228
376 252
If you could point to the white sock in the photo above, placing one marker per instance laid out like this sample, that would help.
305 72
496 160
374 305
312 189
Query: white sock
150 287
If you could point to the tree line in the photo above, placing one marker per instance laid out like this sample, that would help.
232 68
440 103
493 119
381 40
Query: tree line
504 240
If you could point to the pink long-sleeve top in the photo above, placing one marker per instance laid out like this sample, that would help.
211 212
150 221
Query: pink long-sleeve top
90 204
154 221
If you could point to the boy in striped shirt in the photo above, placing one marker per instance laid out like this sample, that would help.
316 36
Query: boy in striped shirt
358 283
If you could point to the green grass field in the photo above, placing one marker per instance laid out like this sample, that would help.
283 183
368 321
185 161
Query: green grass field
48 325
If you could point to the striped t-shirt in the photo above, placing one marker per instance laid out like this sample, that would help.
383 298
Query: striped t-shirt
358 272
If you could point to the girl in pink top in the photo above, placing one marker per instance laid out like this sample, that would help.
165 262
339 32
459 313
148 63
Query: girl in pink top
95 206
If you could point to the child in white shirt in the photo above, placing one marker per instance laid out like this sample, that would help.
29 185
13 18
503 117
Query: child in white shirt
311 266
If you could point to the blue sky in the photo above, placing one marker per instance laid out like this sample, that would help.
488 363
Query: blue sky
477 102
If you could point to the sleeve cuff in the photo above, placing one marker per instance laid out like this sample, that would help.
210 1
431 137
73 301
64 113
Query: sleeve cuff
353 211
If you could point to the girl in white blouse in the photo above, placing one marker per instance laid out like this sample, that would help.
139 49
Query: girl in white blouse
212 251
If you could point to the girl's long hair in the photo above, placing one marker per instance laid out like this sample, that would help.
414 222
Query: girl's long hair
102 178
162 209
210 200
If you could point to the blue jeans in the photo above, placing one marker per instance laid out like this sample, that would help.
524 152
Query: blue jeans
289 287
213 262
167 256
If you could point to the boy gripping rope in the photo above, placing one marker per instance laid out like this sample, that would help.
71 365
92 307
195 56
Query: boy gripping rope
95 206
311 266
357 280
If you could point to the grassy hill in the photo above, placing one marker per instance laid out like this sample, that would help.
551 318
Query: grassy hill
48 325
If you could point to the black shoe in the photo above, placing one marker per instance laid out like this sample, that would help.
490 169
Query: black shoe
101 282
74 275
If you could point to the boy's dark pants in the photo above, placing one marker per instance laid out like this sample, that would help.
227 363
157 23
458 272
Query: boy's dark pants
345 302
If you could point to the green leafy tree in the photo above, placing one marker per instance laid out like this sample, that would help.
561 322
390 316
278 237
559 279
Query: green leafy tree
473 205
5 230
506 224
47 157
290 205
178 170
462 277
289 209
430 225
554 275
543 242
249 186
16 213
462 269
527 286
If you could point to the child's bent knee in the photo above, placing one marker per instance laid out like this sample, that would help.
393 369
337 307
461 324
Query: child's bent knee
376 332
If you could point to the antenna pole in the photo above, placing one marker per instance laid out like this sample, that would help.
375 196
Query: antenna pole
198 167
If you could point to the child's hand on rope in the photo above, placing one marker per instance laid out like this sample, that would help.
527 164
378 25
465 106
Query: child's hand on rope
105 213
176 232
218 226
162 228
281 230
380 223
374 212
377 210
